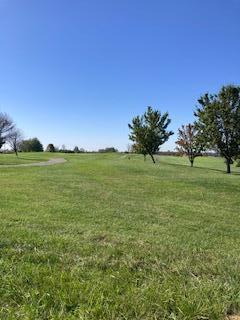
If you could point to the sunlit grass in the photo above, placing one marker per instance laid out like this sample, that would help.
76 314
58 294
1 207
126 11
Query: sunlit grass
105 237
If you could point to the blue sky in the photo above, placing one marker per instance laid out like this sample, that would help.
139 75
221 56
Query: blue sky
75 72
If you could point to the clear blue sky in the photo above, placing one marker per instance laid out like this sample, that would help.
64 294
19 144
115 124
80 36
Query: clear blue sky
75 72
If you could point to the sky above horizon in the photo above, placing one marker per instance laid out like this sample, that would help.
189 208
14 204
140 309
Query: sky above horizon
76 72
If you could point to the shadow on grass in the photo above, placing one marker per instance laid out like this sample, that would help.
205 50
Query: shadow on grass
32 159
196 167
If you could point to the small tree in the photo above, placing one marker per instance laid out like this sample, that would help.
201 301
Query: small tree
76 149
15 139
218 121
188 142
6 127
50 148
149 131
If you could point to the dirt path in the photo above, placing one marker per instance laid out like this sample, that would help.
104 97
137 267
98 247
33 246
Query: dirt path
36 164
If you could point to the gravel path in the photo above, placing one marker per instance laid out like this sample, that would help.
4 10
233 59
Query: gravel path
36 164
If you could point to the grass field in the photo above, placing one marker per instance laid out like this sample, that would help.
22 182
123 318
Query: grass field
104 237
24 158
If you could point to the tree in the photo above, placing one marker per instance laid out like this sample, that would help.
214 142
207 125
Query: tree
188 142
6 127
31 145
149 131
50 148
218 121
15 139
76 149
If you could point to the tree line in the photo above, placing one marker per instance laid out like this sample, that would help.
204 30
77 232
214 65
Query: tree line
13 137
216 127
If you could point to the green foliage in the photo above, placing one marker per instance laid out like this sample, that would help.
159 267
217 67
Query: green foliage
149 132
188 142
50 148
218 120
139 148
31 145
238 163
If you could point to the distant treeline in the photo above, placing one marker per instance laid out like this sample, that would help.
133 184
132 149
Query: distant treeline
178 154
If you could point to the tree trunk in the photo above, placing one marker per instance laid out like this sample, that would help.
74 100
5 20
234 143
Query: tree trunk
228 162
16 152
191 159
152 157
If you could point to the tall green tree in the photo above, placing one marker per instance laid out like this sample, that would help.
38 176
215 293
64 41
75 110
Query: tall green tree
218 121
149 131
188 142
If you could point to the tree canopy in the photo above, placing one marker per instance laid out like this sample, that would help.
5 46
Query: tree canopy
189 143
31 145
50 148
149 131
218 121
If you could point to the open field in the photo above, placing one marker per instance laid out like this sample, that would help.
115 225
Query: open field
104 237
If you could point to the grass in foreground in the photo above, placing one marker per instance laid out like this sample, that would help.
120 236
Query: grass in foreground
104 237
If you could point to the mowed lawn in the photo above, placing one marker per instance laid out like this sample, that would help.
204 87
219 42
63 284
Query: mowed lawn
105 237
24 158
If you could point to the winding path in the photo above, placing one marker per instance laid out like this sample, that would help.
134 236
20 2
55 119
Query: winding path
36 164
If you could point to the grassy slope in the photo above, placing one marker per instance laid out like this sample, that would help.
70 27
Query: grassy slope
8 159
104 237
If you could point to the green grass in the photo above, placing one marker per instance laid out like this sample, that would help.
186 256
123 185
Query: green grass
11 159
104 237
